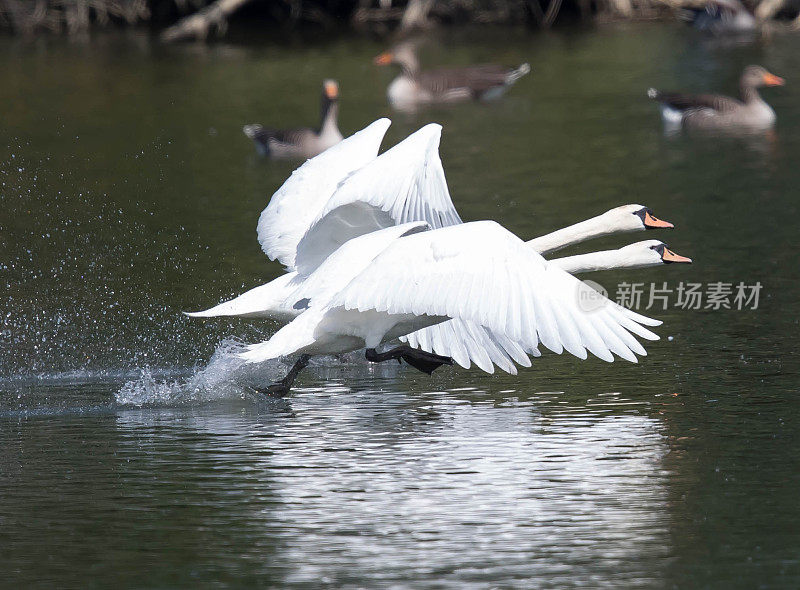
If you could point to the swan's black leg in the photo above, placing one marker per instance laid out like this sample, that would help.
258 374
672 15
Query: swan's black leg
283 386
427 362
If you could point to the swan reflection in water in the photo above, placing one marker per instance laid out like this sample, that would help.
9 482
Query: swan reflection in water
388 487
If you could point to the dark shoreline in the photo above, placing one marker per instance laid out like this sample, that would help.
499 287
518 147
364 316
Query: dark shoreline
309 18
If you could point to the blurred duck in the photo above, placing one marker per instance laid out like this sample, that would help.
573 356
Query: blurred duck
723 17
302 142
715 111
415 86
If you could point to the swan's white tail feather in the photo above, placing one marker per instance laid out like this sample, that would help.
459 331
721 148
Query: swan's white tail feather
263 301
292 338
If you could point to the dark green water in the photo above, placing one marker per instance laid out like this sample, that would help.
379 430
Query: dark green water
133 453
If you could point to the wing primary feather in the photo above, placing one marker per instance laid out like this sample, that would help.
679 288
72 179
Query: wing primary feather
512 349
592 339
627 339
613 341
632 326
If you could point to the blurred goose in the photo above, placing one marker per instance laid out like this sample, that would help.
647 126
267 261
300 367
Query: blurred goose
477 273
723 17
302 142
415 86
714 111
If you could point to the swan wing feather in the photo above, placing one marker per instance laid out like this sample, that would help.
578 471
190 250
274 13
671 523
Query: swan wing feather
482 273
298 202
406 183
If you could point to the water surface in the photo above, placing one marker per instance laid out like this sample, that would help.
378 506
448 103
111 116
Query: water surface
133 449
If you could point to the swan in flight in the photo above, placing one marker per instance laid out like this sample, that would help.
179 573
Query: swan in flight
478 273
348 192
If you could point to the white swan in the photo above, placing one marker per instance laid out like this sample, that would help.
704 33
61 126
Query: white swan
274 299
327 201
449 338
403 279
347 191
405 183
637 255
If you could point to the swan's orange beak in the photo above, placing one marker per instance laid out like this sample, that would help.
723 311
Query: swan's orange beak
384 59
669 256
773 80
331 89
652 222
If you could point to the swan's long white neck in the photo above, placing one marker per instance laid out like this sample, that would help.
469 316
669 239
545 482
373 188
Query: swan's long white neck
604 260
585 230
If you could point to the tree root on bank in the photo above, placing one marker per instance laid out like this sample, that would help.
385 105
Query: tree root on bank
198 25
27 17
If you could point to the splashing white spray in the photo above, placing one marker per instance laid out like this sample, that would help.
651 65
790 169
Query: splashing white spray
225 377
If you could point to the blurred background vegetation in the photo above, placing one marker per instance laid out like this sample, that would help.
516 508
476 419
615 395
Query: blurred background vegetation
177 20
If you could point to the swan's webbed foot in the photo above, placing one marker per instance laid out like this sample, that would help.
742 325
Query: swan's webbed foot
279 389
427 362
282 387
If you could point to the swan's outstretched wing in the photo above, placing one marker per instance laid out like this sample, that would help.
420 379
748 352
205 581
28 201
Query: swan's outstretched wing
467 342
482 273
300 200
338 269
405 183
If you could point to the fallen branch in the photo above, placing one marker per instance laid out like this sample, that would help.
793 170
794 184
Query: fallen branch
767 9
27 17
198 25
415 15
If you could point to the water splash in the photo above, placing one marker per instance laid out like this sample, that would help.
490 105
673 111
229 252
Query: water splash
92 278
226 376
